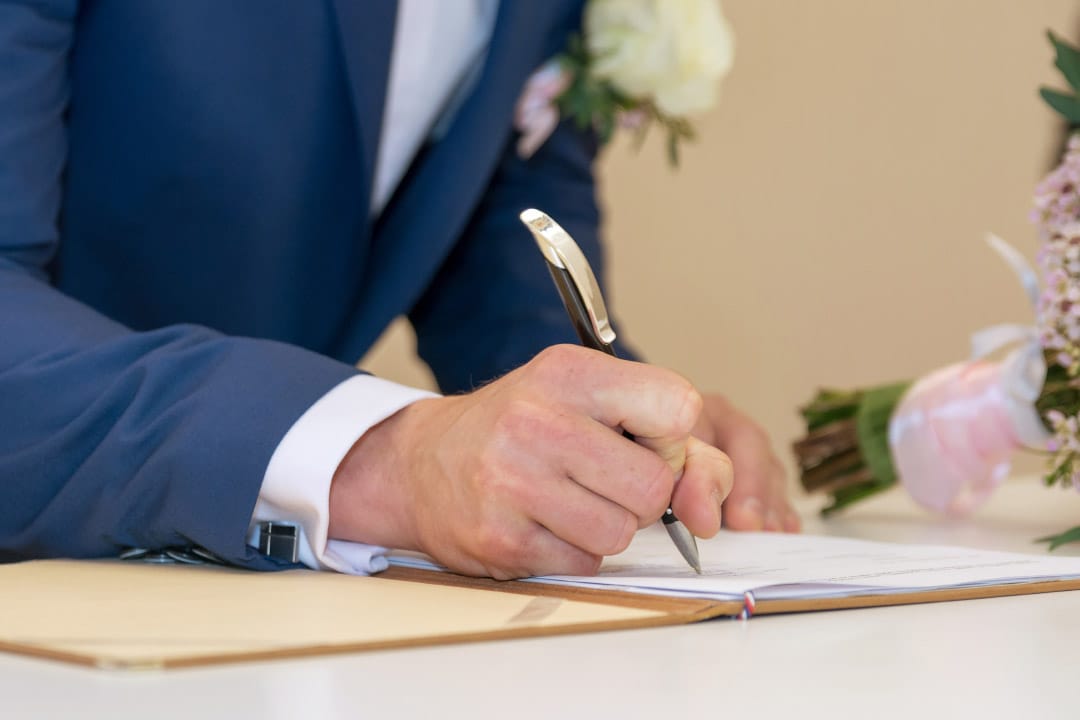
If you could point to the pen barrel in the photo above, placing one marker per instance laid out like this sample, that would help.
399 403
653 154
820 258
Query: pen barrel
588 331
579 314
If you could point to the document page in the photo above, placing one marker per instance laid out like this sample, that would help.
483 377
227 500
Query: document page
779 566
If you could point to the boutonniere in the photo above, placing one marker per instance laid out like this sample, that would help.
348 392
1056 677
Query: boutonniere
638 62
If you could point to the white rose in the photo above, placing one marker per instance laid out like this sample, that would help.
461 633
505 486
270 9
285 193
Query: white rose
672 52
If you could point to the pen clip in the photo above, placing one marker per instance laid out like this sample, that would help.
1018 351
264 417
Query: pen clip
562 252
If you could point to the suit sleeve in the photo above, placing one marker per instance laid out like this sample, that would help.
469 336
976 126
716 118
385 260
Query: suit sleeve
493 305
108 437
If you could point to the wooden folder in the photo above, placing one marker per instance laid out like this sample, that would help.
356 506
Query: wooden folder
129 615
116 614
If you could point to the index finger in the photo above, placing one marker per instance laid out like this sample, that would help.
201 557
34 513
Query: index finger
657 406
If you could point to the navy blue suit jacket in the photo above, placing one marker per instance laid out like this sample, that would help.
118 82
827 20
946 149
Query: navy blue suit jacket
187 260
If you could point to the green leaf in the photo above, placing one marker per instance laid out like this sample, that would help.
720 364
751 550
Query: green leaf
818 418
1059 473
681 127
1067 61
1066 105
829 406
673 148
575 47
605 126
851 495
570 64
1056 541
872 428
578 105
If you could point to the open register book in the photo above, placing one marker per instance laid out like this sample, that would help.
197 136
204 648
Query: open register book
747 573
123 614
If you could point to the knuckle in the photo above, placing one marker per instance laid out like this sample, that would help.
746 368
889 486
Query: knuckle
759 435
503 491
531 544
723 464
724 470
748 432
529 556
498 573
551 363
489 481
622 534
589 564
501 569
495 546
519 418
723 461
559 353
580 562
690 407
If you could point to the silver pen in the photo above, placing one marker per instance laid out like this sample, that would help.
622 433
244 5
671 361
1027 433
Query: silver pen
580 294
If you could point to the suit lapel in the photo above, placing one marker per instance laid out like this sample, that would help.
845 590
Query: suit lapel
366 34
431 207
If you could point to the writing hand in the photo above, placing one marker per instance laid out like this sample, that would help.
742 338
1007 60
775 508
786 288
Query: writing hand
530 475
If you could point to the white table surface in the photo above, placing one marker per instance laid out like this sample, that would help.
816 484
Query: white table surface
994 658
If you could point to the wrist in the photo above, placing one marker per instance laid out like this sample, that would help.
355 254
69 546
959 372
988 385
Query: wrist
369 498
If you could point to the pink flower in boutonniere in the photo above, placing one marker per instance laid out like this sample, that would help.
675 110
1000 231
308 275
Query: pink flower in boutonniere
639 61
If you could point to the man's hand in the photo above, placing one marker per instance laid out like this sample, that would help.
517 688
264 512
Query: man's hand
530 475
759 498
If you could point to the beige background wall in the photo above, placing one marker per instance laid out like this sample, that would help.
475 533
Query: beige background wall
827 227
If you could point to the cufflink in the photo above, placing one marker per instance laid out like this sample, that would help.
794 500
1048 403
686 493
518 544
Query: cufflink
280 541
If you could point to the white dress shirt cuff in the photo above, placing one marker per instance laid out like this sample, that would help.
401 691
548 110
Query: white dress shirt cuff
296 486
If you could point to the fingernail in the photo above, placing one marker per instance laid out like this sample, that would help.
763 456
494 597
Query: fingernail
772 522
792 522
754 512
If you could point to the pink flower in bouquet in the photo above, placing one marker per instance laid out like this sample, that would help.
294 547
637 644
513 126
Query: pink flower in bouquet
1057 196
1066 440
1059 304
953 434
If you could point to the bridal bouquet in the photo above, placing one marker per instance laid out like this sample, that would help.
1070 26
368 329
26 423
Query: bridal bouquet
947 437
